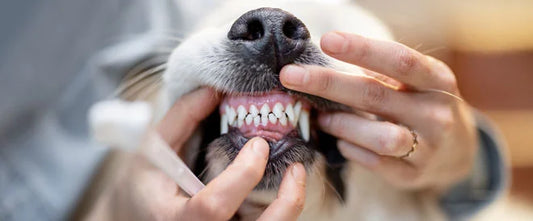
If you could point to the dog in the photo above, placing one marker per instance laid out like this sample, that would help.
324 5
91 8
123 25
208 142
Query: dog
239 49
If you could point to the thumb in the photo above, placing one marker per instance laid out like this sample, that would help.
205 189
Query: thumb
184 116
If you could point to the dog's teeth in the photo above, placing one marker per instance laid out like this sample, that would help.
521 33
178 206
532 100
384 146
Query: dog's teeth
257 120
265 109
241 112
278 110
272 118
240 122
304 125
264 119
224 124
230 112
283 120
253 110
290 114
249 119
297 110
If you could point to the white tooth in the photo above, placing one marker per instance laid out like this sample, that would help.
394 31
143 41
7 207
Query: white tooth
283 120
231 115
253 110
241 112
265 109
297 110
272 118
264 120
278 110
290 114
304 125
224 124
257 120
240 122
249 119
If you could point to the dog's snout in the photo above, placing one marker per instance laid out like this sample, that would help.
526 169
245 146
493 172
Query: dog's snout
272 35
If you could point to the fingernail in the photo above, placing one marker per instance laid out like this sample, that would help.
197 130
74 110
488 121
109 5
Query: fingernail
294 75
324 119
297 171
334 43
260 147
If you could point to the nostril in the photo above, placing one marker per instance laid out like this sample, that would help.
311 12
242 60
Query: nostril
247 29
255 30
295 30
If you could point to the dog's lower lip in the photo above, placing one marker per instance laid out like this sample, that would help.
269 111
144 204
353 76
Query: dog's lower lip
277 147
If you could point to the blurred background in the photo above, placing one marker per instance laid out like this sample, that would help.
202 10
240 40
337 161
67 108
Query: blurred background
487 43
489 46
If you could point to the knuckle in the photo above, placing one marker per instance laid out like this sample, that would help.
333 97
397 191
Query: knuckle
393 141
373 95
337 124
324 80
444 118
444 72
407 61
450 81
363 49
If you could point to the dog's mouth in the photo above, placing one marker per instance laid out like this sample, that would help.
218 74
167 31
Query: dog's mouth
276 116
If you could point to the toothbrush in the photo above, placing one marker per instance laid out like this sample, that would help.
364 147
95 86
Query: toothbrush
126 125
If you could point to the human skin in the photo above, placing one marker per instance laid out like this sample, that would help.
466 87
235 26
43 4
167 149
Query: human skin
145 193
408 91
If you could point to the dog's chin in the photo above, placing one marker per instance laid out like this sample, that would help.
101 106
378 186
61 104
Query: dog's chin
286 151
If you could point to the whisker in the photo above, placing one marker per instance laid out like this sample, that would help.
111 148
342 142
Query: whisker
429 51
134 92
145 94
418 46
138 78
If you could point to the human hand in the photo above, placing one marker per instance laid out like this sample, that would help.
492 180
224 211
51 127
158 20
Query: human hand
145 193
406 88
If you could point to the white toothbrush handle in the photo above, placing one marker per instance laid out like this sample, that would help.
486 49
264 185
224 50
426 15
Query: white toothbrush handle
157 151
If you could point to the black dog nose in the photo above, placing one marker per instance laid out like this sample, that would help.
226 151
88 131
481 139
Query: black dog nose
273 36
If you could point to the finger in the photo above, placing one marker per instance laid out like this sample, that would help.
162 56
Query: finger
221 198
360 92
390 58
182 119
291 196
394 170
381 137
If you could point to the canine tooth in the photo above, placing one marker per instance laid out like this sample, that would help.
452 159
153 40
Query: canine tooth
264 120
290 114
224 124
278 110
257 120
304 125
231 115
272 118
283 120
297 110
249 119
265 109
253 110
241 111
